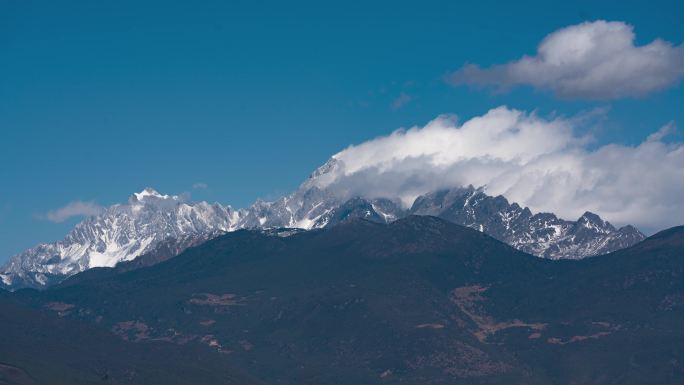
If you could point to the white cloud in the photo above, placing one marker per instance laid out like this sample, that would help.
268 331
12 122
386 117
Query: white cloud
541 163
73 209
200 186
594 60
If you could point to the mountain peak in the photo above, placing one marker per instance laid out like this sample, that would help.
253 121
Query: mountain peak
593 221
120 233
325 174
591 217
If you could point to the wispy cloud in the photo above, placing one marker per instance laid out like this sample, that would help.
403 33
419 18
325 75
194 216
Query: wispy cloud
539 162
401 100
664 131
592 60
200 186
73 209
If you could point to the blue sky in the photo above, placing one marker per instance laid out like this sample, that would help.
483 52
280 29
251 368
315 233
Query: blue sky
101 99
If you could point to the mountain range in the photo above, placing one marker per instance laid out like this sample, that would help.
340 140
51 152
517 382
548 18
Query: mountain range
420 300
159 225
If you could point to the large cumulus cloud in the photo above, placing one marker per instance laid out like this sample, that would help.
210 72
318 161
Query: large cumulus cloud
595 60
538 162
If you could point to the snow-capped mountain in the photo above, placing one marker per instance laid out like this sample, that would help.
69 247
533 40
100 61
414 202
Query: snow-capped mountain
317 204
313 205
160 226
121 233
541 234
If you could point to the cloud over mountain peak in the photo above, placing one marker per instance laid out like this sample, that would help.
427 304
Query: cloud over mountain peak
541 163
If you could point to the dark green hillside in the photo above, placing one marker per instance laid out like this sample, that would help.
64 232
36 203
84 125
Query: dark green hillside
418 301
41 347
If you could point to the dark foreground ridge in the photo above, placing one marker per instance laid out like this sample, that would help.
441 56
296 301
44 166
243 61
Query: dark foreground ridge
417 301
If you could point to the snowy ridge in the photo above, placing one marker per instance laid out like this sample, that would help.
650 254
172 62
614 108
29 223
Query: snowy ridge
150 221
541 234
